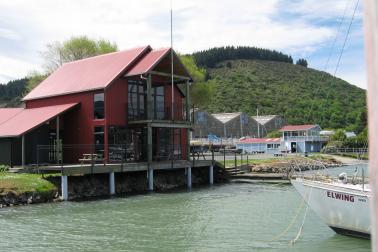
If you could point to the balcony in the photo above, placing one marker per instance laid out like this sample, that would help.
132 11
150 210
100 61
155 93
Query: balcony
161 113
305 138
90 154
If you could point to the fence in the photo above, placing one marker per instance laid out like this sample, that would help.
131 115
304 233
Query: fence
228 158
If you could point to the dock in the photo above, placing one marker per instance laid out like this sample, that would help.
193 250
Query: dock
68 170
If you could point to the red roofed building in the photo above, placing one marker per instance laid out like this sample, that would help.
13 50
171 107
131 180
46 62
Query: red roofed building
302 138
118 106
259 145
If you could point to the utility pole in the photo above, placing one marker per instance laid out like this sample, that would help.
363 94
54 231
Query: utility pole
258 124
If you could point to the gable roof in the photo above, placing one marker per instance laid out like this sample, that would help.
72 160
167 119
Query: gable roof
298 127
260 140
264 119
148 62
226 117
8 113
26 120
87 74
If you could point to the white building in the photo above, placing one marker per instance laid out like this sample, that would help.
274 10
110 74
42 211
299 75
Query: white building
302 138
259 145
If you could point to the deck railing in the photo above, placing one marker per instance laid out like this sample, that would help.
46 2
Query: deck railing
100 153
160 113
306 138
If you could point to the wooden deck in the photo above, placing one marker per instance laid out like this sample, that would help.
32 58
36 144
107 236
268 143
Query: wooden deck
81 169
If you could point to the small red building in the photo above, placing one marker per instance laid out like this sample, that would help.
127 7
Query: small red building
118 106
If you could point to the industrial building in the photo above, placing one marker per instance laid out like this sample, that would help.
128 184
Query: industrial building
268 123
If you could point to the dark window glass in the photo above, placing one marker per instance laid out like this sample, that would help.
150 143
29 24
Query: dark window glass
99 106
159 111
136 100
99 140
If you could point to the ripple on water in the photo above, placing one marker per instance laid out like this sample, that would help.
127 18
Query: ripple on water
231 217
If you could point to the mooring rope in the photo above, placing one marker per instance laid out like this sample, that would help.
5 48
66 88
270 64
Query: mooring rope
275 238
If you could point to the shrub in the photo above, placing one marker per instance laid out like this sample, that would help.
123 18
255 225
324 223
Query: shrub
4 168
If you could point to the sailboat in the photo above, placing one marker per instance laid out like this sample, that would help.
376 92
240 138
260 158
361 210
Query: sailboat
341 203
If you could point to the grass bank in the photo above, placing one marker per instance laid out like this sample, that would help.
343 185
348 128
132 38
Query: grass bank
19 183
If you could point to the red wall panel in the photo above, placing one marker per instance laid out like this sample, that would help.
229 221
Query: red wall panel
116 103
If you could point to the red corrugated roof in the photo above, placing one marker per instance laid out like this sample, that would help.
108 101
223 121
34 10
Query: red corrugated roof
260 140
148 62
298 127
27 119
87 74
8 113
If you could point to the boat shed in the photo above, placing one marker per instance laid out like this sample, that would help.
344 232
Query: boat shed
237 125
268 123
205 124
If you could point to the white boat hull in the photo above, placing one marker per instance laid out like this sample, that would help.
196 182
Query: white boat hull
345 210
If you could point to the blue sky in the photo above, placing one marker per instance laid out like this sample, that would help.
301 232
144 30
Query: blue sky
300 28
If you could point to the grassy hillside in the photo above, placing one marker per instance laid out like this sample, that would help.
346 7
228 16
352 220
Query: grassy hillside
300 94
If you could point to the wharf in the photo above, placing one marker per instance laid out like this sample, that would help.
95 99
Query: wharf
82 169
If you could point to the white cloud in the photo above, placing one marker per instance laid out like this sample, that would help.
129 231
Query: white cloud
27 26
11 68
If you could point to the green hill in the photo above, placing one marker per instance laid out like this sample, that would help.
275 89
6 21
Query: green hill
302 95
11 93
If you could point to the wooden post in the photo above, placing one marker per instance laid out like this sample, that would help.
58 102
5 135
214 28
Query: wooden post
149 98
57 140
187 107
224 157
149 156
371 54
236 161
149 133
23 151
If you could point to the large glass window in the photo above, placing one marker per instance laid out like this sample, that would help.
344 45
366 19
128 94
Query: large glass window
136 100
168 144
159 111
98 102
99 140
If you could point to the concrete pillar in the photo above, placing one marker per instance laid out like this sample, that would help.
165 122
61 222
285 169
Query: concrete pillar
189 177
111 183
150 179
211 174
64 185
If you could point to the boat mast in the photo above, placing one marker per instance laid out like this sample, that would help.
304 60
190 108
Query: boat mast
371 47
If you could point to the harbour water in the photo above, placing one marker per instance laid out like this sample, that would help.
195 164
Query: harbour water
229 217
